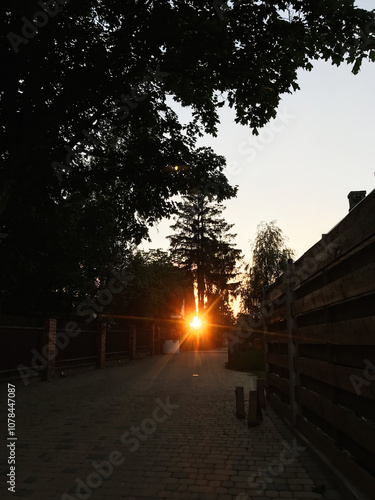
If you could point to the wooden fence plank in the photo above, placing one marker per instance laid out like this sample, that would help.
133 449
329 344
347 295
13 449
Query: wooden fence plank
278 359
276 337
281 407
276 289
354 230
349 286
280 383
357 331
343 377
279 327
351 469
277 294
273 314
358 430
302 278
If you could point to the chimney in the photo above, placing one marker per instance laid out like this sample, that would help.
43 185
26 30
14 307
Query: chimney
355 197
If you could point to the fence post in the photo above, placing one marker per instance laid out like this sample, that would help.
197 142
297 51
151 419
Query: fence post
132 341
49 341
266 347
292 346
101 344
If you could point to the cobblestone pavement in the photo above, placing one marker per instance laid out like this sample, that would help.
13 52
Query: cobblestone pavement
161 427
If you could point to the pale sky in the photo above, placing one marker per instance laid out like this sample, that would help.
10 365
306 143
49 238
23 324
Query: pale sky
303 164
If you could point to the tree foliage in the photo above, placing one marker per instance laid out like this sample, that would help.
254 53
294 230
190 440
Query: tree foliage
269 259
202 246
57 250
107 66
89 141
156 288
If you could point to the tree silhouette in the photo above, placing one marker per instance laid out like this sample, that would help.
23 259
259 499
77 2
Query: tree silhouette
269 259
201 246
88 135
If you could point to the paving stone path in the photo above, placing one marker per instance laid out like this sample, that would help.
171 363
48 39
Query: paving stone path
156 428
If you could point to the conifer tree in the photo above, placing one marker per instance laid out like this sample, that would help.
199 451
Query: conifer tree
202 246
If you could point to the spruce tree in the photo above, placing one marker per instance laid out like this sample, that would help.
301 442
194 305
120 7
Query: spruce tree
202 246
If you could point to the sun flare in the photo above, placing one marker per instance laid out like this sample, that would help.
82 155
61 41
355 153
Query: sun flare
196 323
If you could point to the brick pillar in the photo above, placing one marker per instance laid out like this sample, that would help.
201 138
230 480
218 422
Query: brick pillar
132 341
49 347
153 340
101 344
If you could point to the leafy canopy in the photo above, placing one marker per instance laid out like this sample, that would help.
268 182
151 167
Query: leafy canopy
106 68
156 288
89 142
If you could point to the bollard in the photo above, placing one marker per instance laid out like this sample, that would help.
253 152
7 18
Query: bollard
255 413
240 403
260 389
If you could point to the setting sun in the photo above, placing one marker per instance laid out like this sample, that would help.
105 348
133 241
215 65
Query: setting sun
196 323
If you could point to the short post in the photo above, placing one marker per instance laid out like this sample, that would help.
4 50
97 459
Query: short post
260 390
255 413
132 341
101 344
240 403
49 347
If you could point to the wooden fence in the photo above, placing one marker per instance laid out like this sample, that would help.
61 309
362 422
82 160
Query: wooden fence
33 347
320 345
